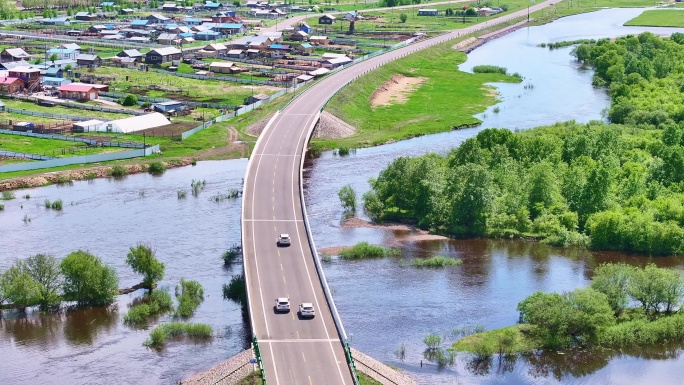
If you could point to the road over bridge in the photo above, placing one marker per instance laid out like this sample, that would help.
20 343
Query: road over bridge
297 351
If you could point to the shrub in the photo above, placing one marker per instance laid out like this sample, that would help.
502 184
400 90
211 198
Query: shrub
161 333
347 196
48 204
137 315
130 100
57 205
365 250
482 69
118 171
236 290
436 262
403 17
190 295
142 260
182 193
155 303
231 254
2 207
7 195
87 280
197 186
156 168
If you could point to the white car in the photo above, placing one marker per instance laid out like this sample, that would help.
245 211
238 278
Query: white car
282 304
284 240
307 310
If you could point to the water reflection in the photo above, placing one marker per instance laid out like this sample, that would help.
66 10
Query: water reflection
81 326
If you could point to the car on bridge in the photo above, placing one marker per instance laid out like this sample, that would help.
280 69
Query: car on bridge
282 304
306 310
284 240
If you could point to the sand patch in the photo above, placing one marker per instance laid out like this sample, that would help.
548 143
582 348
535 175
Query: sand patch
465 43
396 90
330 126
490 91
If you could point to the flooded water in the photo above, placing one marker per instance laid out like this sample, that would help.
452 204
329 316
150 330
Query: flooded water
383 303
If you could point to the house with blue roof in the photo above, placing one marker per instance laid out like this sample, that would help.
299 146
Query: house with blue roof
186 35
170 26
192 21
207 35
107 4
212 6
140 24
63 53
53 72
55 82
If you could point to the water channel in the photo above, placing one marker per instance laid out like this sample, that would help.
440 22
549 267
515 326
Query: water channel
383 303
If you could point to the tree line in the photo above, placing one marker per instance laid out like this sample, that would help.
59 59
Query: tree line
80 278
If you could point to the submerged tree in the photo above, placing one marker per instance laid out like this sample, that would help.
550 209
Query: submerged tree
87 281
142 260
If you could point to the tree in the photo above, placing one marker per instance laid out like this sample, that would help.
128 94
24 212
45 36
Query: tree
18 288
373 206
648 286
44 270
236 3
87 281
612 279
403 17
54 57
142 260
130 100
347 196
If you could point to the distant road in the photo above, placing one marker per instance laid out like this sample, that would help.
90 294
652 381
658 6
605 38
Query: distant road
295 351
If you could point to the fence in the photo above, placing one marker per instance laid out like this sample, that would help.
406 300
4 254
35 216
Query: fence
47 115
117 95
75 105
92 142
225 78
80 159
24 155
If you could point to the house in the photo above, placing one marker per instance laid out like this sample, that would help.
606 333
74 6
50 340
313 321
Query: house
63 53
10 85
207 35
192 21
73 46
30 76
319 40
168 39
135 123
212 6
13 64
224 67
327 19
428 12
55 82
140 24
78 91
299 36
86 60
14 54
236 54
158 19
252 4
213 50
74 32
57 21
170 106
280 48
253 23
130 53
107 4
129 61
224 17
275 37
305 27
230 28
303 48
115 36
139 39
53 72
351 15
162 55
85 16
126 11
62 64
169 7
336 62
187 39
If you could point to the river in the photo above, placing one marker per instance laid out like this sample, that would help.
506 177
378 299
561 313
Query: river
383 303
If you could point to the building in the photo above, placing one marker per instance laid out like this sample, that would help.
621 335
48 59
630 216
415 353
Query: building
303 48
10 85
126 11
213 50
192 21
223 67
170 106
14 54
130 53
87 126
135 123
63 53
207 35
162 55
73 46
86 60
230 28
57 21
30 76
107 4
236 54
78 91
158 19
169 7
55 82
319 40
428 12
327 19
140 24
53 72
305 27
168 39
85 16
299 36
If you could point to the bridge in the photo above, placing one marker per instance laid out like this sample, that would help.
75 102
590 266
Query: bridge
301 351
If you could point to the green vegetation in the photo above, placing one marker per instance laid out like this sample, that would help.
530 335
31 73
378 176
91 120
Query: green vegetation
236 290
197 186
129 100
156 168
87 281
365 380
436 261
182 193
57 205
659 18
7 195
597 316
363 250
490 69
253 378
230 255
435 353
163 332
49 147
35 281
190 295
142 260
347 196
567 43
152 304
118 171
429 108
58 109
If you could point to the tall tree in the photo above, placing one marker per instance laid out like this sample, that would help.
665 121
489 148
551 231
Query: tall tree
44 270
142 260
87 281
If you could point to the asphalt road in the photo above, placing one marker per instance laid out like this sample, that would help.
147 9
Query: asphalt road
297 351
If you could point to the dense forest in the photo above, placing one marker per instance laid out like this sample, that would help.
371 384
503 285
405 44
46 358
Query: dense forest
606 186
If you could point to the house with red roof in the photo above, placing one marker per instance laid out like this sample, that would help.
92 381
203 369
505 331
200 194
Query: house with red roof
78 91
9 85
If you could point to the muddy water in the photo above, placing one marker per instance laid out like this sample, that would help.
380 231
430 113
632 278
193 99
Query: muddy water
383 303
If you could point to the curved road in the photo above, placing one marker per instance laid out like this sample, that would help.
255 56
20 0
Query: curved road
297 351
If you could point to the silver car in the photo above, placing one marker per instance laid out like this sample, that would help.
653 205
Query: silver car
307 310
282 304
284 240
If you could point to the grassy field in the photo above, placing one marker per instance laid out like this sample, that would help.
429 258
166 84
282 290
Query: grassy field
474 342
448 98
49 147
659 18
19 104
212 91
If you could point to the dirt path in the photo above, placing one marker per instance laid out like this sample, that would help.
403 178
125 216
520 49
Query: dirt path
232 144
395 91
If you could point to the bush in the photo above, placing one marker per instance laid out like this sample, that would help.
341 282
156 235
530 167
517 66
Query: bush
118 171
347 196
7 195
231 254
236 290
365 250
137 315
190 295
2 207
57 205
161 333
482 69
182 193
142 260
130 100
403 17
436 262
156 303
87 281
156 168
